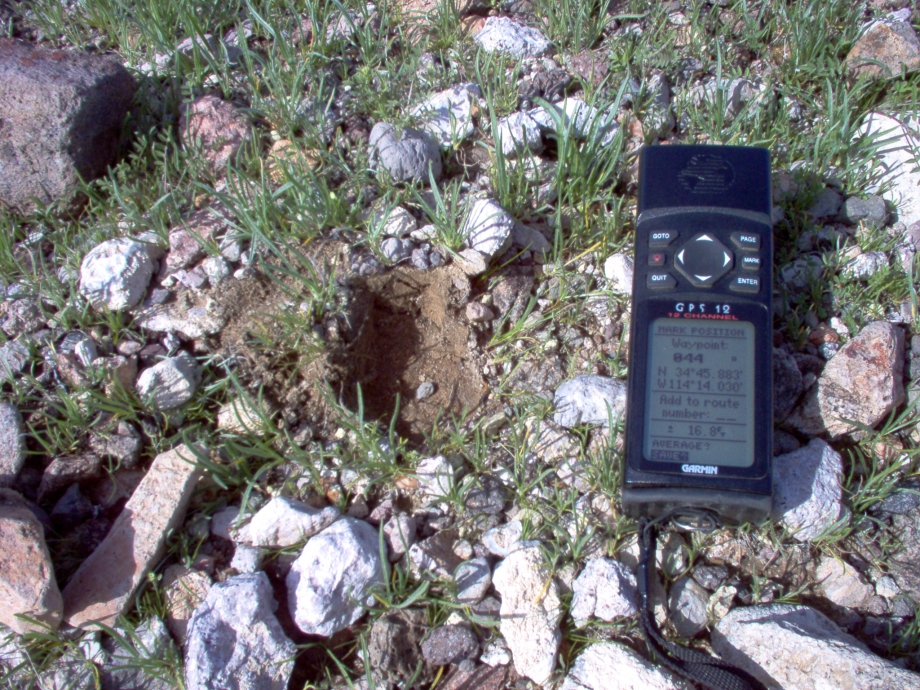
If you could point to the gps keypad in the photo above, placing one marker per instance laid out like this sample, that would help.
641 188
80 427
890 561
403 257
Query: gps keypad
704 260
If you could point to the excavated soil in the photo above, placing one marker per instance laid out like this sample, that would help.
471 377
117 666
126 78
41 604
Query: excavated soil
415 332
401 328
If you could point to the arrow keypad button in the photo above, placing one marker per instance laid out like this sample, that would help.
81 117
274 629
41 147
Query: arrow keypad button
704 259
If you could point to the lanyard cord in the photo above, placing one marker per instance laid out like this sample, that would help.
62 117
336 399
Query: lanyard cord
712 673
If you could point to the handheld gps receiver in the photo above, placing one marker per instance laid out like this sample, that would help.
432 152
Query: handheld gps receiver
699 425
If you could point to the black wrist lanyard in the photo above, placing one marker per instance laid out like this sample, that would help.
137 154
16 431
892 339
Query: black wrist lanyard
710 672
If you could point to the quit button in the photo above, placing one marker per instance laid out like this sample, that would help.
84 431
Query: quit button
660 279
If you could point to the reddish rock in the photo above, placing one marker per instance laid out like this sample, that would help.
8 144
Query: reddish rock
104 585
27 583
480 678
216 126
884 50
862 383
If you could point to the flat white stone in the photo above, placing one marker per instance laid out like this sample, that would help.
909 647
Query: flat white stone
612 666
448 115
786 646
503 35
897 164
284 522
116 273
530 612
328 585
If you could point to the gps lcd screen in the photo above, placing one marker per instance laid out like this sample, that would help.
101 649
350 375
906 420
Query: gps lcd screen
699 393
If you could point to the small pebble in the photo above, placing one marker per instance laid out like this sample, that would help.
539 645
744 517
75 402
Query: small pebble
425 390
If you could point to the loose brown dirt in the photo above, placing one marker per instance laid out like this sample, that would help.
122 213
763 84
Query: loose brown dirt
407 327
415 332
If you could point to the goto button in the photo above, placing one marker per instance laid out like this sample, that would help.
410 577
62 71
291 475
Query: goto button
660 279
661 238
749 241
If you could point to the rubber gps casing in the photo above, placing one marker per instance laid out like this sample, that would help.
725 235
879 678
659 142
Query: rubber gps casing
699 420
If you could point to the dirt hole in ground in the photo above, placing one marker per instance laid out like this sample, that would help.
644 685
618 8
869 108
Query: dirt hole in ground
413 331
404 327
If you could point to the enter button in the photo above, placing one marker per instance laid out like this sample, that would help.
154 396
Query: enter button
745 284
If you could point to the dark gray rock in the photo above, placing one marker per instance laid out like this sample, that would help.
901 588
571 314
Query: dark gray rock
872 210
22 316
489 497
67 470
905 499
787 384
710 577
487 611
62 113
71 509
394 646
784 442
407 154
450 644
511 295
827 204
122 444
902 564
539 377
13 358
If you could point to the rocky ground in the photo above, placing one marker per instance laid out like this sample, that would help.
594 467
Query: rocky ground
314 342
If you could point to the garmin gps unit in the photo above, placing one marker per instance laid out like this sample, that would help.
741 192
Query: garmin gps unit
699 421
